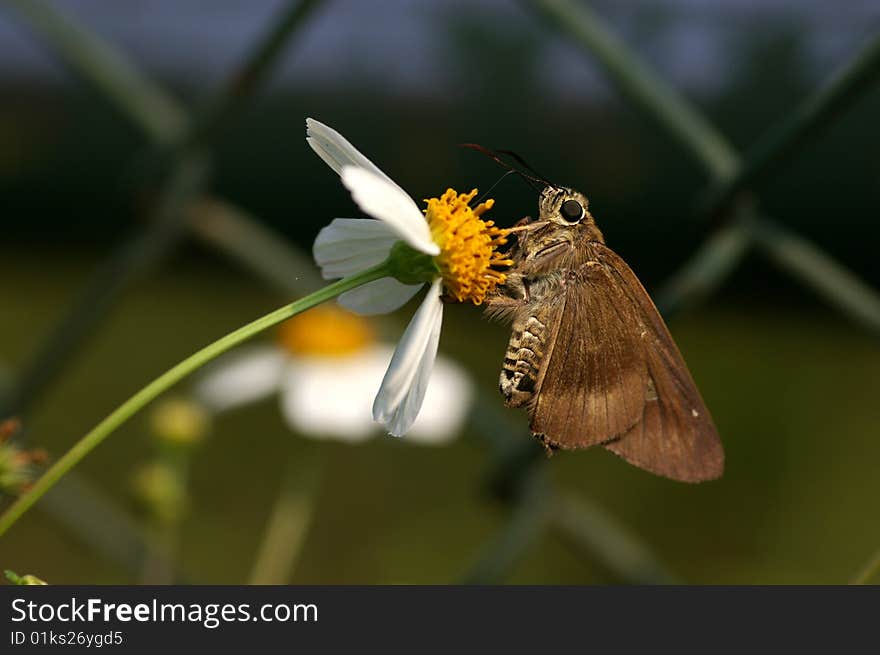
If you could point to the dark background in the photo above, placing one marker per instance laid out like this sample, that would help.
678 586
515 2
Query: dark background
791 382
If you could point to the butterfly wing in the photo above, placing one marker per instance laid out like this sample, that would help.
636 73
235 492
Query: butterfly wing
675 437
592 383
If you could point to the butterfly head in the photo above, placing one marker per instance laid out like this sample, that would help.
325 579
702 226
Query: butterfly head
563 207
563 225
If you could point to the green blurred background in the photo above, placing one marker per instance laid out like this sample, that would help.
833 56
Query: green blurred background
791 382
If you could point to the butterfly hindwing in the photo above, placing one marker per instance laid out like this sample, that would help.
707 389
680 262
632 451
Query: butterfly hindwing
676 436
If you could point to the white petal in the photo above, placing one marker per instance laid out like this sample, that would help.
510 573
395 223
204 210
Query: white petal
245 376
329 397
403 389
351 245
335 149
386 201
447 403
378 297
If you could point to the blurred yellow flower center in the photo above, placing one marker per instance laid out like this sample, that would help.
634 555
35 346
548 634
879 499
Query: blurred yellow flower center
469 256
325 330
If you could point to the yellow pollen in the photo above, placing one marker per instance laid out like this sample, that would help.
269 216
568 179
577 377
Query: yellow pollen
469 256
326 331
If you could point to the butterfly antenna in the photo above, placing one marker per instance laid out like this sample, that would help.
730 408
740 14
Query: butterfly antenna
535 182
489 190
527 166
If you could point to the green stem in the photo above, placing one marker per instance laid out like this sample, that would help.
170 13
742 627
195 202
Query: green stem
287 526
171 377
126 263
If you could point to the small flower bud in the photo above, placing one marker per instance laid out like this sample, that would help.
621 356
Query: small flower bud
161 491
28 579
180 422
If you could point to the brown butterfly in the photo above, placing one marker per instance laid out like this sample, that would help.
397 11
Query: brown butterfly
590 357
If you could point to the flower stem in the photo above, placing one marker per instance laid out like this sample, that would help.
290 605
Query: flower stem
171 377
290 519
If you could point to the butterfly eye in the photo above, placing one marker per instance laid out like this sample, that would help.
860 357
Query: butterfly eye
571 211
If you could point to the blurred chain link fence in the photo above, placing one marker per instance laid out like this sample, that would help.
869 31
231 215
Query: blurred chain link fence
182 140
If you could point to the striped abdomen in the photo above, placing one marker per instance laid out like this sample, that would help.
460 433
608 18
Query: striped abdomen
522 361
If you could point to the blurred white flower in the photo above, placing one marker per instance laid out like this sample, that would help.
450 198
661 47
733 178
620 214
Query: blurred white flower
326 366
459 248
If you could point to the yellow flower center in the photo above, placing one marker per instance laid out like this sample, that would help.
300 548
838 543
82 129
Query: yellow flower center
469 256
325 330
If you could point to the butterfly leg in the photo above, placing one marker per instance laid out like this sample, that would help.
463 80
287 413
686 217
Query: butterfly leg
508 299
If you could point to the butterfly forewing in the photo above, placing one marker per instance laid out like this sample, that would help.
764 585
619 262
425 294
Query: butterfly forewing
593 382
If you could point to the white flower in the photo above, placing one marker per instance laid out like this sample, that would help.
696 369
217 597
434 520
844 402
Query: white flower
463 247
326 394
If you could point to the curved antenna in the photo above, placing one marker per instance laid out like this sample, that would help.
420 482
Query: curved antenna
533 181
489 190
528 167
